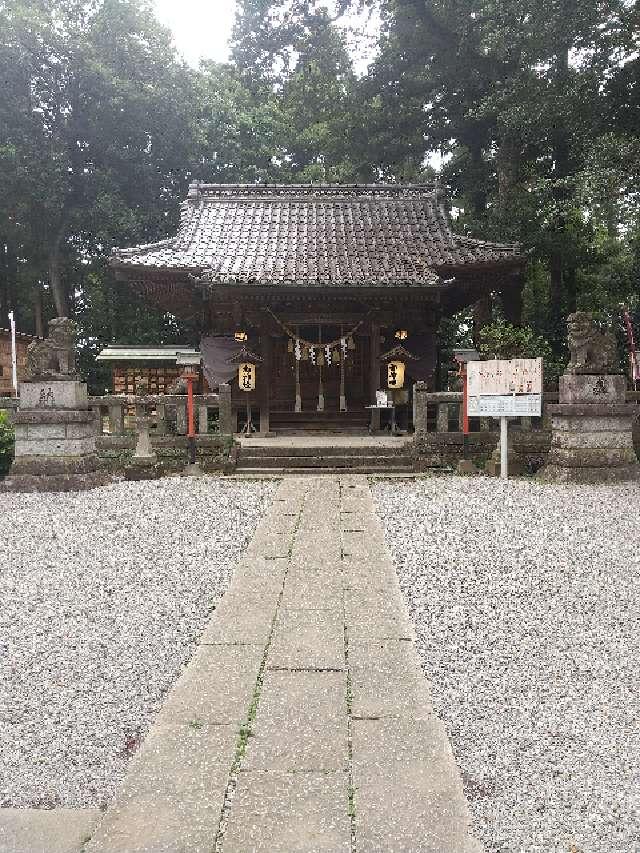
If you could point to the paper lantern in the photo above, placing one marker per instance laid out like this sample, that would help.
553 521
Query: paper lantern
240 336
395 374
402 334
247 376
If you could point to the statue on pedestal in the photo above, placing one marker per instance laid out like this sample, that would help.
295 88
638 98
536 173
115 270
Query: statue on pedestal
55 448
591 439
592 351
55 357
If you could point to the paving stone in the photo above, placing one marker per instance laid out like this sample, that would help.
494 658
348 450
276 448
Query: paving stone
46 830
241 596
307 639
240 625
301 723
159 823
191 758
370 625
216 687
289 813
408 792
386 680
316 593
257 573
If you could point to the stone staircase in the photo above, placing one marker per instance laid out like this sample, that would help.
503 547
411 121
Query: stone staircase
313 459
319 423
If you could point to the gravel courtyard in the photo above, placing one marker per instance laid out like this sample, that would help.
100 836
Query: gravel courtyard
525 599
103 595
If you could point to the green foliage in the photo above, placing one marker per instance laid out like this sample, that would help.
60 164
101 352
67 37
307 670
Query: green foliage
7 443
502 340
534 107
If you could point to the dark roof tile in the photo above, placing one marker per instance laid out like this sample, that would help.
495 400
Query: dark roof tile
343 235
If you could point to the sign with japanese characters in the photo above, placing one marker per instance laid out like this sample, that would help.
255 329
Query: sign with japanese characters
395 374
505 388
247 376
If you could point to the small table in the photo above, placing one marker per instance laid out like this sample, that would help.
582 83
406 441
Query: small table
386 408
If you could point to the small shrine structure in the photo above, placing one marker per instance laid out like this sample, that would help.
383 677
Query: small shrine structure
321 281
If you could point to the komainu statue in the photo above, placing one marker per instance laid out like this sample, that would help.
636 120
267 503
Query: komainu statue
592 351
55 357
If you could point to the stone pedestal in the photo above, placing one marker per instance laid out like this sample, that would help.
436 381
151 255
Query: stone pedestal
144 462
55 439
517 465
592 427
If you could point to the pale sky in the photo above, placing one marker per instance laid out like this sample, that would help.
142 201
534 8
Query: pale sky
201 28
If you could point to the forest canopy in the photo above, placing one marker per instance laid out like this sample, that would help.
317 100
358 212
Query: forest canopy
530 111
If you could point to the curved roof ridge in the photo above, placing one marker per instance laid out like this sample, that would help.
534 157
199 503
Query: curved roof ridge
364 235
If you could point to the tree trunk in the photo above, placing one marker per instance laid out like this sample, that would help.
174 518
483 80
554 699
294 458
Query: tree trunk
37 310
478 192
562 169
55 275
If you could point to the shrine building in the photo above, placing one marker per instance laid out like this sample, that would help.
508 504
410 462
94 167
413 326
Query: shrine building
324 285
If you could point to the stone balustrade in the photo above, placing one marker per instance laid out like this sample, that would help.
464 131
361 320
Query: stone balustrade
441 412
168 412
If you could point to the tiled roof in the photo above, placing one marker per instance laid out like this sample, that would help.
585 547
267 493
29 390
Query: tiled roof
164 352
323 235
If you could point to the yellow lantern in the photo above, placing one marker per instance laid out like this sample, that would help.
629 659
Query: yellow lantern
240 335
247 376
395 374
402 334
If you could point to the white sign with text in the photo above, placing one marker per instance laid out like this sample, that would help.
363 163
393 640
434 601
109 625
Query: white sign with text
505 388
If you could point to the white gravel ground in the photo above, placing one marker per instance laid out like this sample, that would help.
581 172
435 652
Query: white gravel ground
525 598
102 597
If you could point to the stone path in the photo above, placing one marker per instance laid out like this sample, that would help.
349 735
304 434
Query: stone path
303 723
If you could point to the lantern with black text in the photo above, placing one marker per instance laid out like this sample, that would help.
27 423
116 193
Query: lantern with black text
395 374
247 376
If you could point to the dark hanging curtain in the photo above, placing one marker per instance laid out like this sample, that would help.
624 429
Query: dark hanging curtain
216 352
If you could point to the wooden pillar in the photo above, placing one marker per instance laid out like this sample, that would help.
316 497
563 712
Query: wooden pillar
265 382
298 405
374 371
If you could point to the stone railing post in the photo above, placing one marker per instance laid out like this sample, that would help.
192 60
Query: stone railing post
420 407
225 411
203 420
116 418
161 418
442 422
181 418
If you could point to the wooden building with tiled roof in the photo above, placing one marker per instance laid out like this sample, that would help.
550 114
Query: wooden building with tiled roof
321 279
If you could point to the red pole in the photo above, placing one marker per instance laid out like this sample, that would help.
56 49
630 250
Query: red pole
191 422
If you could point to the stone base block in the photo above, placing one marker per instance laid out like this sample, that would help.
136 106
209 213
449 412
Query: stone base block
138 470
193 471
516 467
576 388
53 394
592 443
56 482
466 467
588 475
56 466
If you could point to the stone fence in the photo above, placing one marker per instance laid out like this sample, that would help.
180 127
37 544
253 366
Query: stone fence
437 418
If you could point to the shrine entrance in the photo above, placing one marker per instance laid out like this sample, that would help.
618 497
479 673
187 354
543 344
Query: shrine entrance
324 387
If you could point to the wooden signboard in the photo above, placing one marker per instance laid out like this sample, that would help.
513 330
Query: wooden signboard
505 388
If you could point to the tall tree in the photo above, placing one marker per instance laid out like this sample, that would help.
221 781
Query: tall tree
98 128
